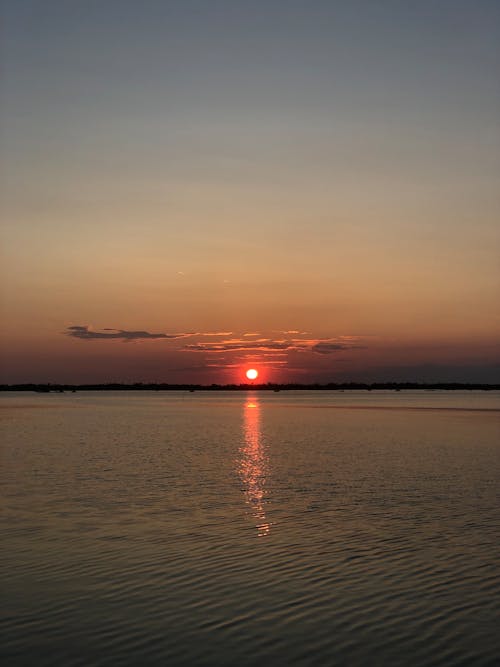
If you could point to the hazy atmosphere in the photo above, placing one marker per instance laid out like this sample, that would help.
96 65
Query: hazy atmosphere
250 341
190 187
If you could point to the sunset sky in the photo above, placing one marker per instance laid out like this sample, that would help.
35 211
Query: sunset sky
193 187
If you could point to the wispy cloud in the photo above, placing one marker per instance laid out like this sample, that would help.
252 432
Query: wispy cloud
86 333
248 344
236 346
329 347
262 364
320 346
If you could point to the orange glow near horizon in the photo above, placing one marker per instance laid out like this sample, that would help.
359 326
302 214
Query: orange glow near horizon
252 374
192 223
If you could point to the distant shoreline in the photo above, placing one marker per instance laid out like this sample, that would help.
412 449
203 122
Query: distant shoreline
342 386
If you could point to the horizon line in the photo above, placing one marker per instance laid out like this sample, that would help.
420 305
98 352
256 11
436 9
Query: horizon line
165 386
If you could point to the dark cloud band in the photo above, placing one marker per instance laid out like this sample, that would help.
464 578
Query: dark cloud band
85 333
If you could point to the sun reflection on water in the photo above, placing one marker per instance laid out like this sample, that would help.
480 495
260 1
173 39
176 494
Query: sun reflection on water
253 465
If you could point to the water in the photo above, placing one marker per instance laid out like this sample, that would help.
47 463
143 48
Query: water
299 528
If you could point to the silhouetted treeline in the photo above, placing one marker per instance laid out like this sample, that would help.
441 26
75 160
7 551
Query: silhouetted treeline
330 386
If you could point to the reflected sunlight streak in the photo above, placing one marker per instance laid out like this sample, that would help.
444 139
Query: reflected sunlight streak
253 465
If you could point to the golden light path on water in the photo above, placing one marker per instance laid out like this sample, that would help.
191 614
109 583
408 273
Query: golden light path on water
253 465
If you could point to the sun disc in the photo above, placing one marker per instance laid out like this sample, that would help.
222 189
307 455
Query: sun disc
252 374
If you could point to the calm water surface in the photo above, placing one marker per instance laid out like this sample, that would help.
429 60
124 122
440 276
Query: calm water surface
292 528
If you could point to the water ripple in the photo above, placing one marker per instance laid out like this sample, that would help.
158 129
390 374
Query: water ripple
222 533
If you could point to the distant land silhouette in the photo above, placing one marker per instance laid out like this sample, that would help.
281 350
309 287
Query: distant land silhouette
331 386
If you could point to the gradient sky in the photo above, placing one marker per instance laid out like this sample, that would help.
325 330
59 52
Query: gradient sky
192 187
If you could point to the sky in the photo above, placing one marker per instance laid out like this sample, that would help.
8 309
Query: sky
191 188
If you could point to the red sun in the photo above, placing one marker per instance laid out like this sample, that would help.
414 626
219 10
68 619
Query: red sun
252 374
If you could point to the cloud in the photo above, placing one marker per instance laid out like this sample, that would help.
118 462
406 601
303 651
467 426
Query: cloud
329 347
320 346
260 346
86 333
237 346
